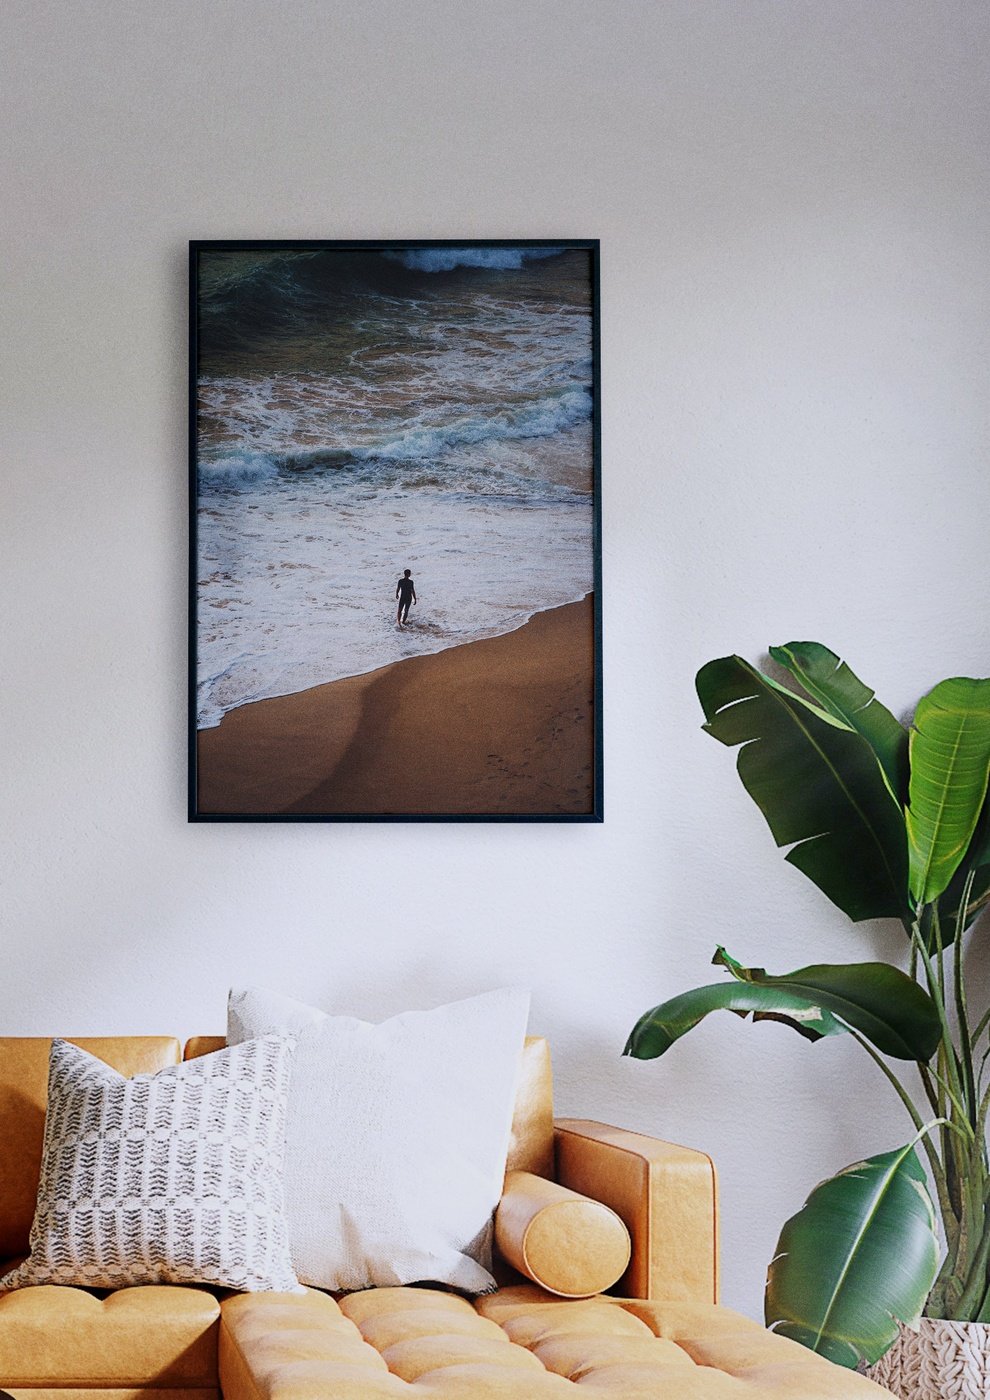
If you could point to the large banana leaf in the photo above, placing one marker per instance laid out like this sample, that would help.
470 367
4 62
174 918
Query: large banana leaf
977 860
879 1001
860 1255
950 764
819 786
654 1033
844 696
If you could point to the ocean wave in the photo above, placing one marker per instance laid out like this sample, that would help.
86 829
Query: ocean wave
222 273
446 259
543 418
314 307
234 471
415 441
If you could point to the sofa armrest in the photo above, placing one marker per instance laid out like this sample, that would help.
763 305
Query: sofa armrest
666 1195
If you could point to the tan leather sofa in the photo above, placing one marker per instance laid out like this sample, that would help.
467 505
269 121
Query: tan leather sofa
658 1334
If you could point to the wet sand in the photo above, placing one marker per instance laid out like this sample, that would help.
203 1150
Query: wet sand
500 726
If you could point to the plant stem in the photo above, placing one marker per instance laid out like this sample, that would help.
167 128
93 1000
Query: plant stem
962 1014
935 1100
984 1313
966 1130
972 1299
952 1066
961 1291
962 1280
931 1152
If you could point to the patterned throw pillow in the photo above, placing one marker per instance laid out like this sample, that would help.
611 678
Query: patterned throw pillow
174 1177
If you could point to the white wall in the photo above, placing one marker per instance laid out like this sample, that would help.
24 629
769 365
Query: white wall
793 203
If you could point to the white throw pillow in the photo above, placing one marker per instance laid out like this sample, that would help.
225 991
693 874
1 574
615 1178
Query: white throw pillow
174 1177
396 1136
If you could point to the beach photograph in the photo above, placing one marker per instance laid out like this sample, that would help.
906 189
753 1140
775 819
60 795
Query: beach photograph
395 531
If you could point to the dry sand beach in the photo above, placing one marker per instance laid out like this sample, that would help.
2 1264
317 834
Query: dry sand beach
499 726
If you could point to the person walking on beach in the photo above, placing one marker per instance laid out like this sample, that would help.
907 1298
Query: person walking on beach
405 591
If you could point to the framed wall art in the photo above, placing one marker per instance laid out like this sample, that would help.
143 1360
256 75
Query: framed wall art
395 564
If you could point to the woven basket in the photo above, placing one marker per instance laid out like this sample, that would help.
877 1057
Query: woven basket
941 1361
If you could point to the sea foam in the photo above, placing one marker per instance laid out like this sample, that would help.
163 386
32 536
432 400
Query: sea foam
446 259
540 419
283 437
236 470
302 591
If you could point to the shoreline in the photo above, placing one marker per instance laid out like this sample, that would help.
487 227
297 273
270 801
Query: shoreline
504 725
373 670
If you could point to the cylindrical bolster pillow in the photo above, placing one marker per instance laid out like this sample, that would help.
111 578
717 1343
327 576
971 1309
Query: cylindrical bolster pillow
568 1244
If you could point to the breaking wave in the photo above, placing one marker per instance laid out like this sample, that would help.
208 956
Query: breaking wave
236 471
414 442
446 259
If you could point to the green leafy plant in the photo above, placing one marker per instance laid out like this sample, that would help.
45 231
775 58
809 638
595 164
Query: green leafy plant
889 822
871 1232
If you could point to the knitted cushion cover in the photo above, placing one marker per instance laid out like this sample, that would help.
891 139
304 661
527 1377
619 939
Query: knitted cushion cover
397 1137
174 1177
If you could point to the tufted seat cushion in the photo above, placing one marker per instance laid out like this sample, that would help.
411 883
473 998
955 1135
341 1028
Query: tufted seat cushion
57 1338
518 1344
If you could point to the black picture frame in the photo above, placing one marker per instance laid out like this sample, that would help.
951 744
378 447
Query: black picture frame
236 320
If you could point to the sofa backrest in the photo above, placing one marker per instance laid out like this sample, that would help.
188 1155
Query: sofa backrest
23 1096
531 1143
